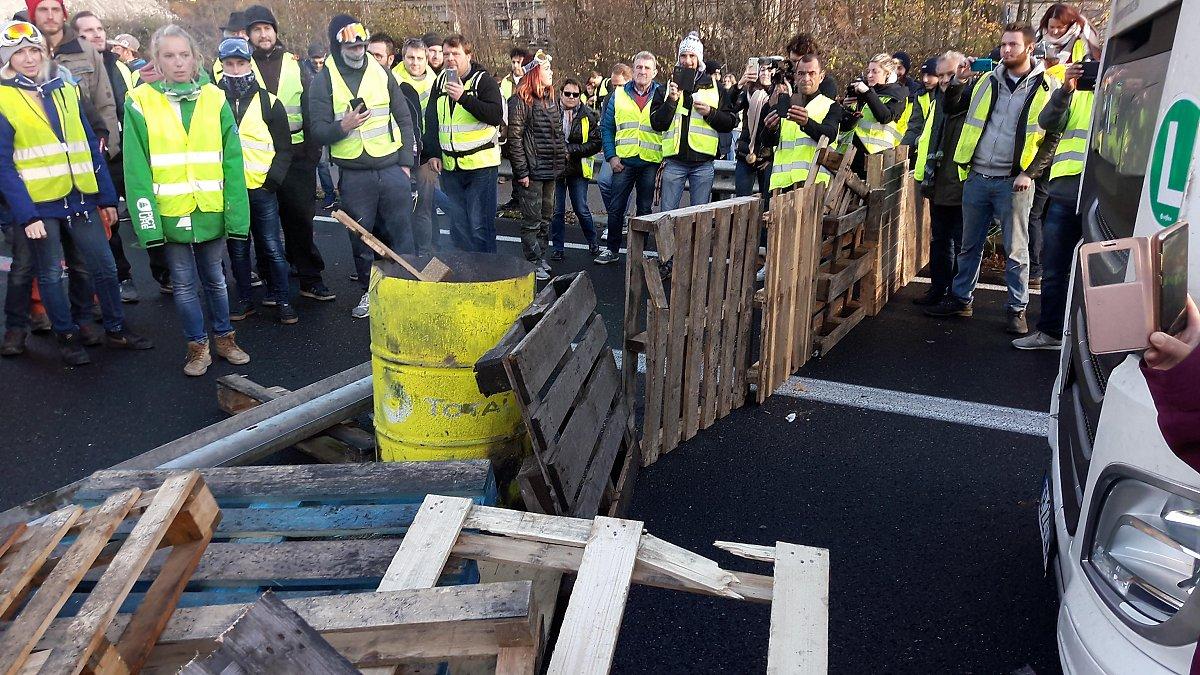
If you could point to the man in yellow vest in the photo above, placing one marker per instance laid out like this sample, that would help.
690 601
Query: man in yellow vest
279 72
581 130
1000 152
356 107
462 127
922 110
414 71
811 117
266 154
691 119
1068 113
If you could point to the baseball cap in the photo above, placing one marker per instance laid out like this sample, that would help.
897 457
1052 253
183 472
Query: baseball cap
127 41
929 67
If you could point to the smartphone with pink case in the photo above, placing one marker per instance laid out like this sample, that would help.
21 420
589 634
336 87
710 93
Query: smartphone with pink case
1120 294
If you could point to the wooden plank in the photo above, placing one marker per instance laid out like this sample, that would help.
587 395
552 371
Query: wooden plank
422 555
570 453
810 246
838 327
799 640
652 422
549 412
517 661
599 469
9 535
635 283
732 308
664 238
831 285
698 314
538 353
712 347
746 303
785 297
32 550
588 637
490 375
748 551
681 285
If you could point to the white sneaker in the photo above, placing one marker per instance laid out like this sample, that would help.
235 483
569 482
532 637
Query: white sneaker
541 274
1037 340
545 266
762 275
363 310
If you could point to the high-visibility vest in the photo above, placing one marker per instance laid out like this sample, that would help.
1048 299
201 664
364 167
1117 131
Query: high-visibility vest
1073 146
977 118
258 148
797 150
873 135
291 89
379 136
127 75
466 142
701 137
905 118
635 137
588 169
929 106
49 167
186 165
423 87
506 87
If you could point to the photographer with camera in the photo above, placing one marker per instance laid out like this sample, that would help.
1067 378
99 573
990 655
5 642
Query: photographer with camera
874 107
753 153
690 114
797 123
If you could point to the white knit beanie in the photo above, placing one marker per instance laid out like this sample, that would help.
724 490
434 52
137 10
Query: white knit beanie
692 45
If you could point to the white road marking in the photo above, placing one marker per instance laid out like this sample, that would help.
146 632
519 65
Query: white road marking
986 287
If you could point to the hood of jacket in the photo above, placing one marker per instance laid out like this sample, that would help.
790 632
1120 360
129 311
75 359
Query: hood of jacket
1001 72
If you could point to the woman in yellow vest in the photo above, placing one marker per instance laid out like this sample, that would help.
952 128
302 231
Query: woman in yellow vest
1067 36
265 133
874 105
581 125
56 184
186 189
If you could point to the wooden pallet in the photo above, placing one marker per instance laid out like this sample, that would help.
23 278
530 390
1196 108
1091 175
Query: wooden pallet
583 461
697 327
891 227
56 553
608 555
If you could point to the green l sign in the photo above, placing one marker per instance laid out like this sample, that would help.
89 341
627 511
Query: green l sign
1171 160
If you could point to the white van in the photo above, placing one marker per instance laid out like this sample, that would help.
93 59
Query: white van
1121 515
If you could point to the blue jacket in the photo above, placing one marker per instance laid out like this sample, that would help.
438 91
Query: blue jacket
608 126
21 206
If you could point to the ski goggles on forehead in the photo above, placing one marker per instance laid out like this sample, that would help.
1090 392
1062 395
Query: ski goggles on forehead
19 31
355 32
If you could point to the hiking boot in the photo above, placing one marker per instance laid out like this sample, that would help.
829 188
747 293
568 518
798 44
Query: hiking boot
950 307
14 342
228 349
71 348
606 256
929 298
242 310
557 255
127 339
1016 322
363 309
91 334
288 315
318 291
129 292
1038 340
198 359
39 323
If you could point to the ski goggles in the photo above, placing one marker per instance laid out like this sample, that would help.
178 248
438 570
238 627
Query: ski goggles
17 32
353 33
539 59
234 48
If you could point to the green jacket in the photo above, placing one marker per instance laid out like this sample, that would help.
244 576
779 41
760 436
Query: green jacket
154 229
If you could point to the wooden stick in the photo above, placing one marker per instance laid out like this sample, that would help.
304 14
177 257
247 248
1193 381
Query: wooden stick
437 272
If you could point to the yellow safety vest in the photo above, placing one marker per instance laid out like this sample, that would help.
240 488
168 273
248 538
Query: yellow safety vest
873 135
127 75
588 169
905 118
291 89
1072 147
797 150
635 137
929 106
506 87
185 164
380 135
977 117
49 167
424 87
701 137
467 143
258 148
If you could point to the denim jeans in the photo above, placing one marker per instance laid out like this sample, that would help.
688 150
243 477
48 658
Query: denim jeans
642 176
472 208
1063 230
604 179
323 175
985 199
297 197
196 267
268 233
1037 217
577 187
946 233
86 235
537 206
381 201
699 177
744 176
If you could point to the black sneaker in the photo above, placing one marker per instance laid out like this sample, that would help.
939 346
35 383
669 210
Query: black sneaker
606 256
951 307
91 335
71 348
255 280
557 255
242 310
39 323
126 339
1016 322
318 291
288 315
593 251
165 288
929 298
14 342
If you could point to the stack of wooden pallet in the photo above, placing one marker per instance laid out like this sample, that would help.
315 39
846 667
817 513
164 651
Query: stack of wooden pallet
901 239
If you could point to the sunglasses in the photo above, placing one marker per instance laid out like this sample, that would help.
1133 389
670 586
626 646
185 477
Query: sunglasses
355 32
19 30
571 94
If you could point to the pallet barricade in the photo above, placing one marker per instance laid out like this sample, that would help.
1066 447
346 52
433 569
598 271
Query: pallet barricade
901 238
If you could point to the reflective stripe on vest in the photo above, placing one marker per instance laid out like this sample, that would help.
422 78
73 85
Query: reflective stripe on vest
49 167
905 118
1073 146
185 165
258 148
466 142
379 136
797 150
291 89
588 169
701 137
981 108
930 109
635 137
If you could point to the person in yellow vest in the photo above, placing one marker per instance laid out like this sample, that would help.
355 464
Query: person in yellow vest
414 71
517 58
462 129
879 102
58 191
266 153
921 110
1000 152
581 129
1067 36
235 26
1069 113
186 188
811 117
691 120
356 107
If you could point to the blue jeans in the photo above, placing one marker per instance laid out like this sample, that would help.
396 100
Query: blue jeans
744 176
472 208
195 267
86 234
268 240
699 177
642 176
324 176
381 201
1063 228
985 199
577 187
604 179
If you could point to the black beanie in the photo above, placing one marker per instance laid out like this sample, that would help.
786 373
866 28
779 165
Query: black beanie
259 14
902 57
336 24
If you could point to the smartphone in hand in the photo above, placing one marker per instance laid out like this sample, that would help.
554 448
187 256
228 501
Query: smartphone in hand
452 76
1087 81
358 105
685 78
783 104
983 66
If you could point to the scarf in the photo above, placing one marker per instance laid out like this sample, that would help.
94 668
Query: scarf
239 86
356 64
43 89
1076 32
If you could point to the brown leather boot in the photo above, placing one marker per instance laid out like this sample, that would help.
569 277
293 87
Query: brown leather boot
228 349
198 359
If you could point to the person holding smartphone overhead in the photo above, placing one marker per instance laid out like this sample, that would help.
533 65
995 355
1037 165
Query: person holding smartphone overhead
801 118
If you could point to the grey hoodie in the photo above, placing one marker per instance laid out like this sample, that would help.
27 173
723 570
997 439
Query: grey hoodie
1003 137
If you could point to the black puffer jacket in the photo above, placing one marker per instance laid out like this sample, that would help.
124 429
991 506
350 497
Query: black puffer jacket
536 146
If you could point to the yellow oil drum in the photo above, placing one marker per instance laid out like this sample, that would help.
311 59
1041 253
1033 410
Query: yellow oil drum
425 339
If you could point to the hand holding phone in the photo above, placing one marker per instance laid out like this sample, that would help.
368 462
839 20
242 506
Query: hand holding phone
358 105
782 104
1087 80
983 65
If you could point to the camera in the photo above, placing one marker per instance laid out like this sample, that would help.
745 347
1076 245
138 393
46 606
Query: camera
780 68
851 96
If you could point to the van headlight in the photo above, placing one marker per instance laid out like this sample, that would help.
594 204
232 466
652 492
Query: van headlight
1146 549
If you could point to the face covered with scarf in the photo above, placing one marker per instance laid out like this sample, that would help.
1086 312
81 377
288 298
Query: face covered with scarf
237 77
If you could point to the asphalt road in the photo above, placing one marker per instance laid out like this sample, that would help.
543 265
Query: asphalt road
931 525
